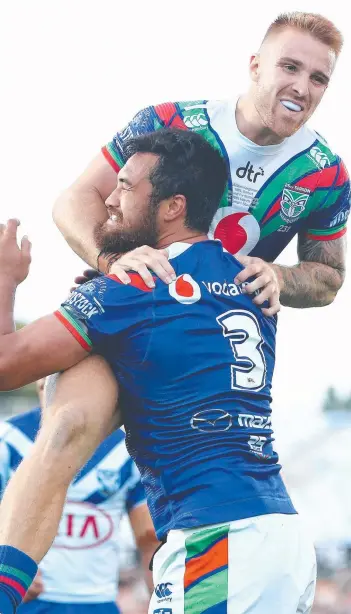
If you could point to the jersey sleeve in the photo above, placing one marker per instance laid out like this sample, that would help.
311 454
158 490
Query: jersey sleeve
152 118
103 309
329 221
136 494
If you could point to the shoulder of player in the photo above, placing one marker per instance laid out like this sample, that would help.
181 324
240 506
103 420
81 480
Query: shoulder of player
179 114
323 150
137 286
181 105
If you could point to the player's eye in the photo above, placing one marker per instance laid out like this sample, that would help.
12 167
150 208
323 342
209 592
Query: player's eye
318 79
123 185
290 67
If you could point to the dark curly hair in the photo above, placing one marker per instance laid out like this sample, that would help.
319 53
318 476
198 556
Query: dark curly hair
187 165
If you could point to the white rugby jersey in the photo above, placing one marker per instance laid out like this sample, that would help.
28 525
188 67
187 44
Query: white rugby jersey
82 566
299 186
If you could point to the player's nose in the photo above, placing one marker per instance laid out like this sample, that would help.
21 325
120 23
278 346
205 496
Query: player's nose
300 86
113 200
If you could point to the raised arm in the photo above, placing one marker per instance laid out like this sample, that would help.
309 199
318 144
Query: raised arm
41 348
79 208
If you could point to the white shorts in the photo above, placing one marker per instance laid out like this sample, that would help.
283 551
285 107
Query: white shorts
260 565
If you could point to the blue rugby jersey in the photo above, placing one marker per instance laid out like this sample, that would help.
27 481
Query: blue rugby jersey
195 362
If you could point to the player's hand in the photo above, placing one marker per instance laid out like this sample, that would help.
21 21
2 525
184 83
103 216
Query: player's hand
266 282
35 588
143 260
87 275
14 260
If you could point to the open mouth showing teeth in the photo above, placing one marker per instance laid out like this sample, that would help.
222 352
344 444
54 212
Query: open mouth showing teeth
292 106
113 217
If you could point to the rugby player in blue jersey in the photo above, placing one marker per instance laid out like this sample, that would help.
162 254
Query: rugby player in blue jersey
194 362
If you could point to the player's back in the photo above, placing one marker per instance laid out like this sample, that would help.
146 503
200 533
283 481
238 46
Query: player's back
195 361
200 397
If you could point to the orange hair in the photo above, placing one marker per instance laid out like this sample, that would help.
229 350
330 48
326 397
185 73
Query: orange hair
318 26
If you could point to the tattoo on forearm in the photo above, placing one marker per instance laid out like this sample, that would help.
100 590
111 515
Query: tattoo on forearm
319 275
331 253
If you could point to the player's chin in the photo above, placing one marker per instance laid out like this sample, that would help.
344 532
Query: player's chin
288 126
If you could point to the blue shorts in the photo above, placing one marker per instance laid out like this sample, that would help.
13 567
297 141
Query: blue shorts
37 606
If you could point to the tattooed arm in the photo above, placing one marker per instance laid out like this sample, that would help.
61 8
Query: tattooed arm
315 281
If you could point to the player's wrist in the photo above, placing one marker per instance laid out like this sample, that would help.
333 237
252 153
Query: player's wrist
8 281
105 262
278 270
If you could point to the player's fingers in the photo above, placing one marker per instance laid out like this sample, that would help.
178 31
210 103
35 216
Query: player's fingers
120 273
166 264
244 260
91 273
267 294
155 260
144 273
252 270
160 266
274 305
87 275
271 311
26 248
80 279
38 585
260 282
11 228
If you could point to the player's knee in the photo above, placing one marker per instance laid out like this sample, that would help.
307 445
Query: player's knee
68 428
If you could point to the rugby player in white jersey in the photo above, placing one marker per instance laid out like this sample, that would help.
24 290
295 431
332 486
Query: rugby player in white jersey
284 180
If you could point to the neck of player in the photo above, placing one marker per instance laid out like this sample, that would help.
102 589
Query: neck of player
182 236
251 125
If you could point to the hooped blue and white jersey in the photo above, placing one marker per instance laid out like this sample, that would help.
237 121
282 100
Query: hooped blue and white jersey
82 566
194 361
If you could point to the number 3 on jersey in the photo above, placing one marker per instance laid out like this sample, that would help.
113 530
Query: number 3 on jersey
248 370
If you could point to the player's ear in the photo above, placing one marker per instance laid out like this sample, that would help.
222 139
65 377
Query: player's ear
254 67
175 207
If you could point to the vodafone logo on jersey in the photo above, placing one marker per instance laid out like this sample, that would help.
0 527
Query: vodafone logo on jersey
185 290
82 526
239 232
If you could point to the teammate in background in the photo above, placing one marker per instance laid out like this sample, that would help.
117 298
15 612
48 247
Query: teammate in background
80 572
283 177
194 361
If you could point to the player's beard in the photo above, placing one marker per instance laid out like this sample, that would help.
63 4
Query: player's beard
126 238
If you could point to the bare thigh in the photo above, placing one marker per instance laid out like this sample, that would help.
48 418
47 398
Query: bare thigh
90 390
